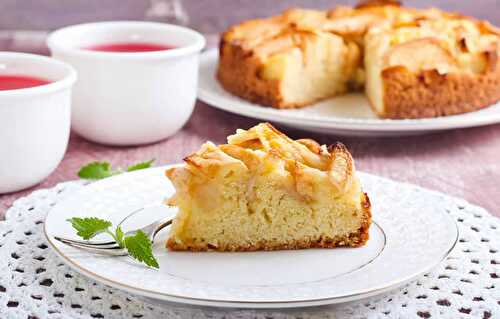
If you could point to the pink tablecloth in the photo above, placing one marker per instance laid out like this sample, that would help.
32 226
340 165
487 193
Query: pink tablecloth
463 163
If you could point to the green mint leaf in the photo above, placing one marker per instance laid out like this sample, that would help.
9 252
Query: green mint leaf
100 170
141 165
119 236
139 247
89 227
96 170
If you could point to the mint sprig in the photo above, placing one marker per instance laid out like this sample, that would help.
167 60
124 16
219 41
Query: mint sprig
100 170
137 245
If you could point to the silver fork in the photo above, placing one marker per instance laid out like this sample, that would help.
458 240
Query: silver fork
111 248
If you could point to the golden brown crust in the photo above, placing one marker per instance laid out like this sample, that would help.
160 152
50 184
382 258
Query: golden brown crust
376 3
356 239
431 94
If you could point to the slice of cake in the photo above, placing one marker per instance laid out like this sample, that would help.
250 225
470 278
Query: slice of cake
265 191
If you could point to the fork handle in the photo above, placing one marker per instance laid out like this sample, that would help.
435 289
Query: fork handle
97 250
86 242
162 224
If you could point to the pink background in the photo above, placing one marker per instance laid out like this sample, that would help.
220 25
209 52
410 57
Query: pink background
463 163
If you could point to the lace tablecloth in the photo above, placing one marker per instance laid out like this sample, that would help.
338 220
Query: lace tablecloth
34 283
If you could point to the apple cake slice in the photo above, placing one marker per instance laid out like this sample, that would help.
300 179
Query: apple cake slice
265 191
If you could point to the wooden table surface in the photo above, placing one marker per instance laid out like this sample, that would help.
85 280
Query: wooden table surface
463 163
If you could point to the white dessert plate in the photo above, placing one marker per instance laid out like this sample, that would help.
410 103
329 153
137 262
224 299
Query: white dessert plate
409 237
348 115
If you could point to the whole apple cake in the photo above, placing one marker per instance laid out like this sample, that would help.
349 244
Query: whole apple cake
411 63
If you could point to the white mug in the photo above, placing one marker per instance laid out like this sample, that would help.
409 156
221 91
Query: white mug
34 122
130 98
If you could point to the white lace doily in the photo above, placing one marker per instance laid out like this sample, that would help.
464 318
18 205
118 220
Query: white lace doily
35 284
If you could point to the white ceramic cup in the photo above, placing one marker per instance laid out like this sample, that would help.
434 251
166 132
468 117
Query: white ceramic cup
130 98
34 122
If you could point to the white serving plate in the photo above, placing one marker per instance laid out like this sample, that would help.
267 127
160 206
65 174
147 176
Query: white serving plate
348 115
409 236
